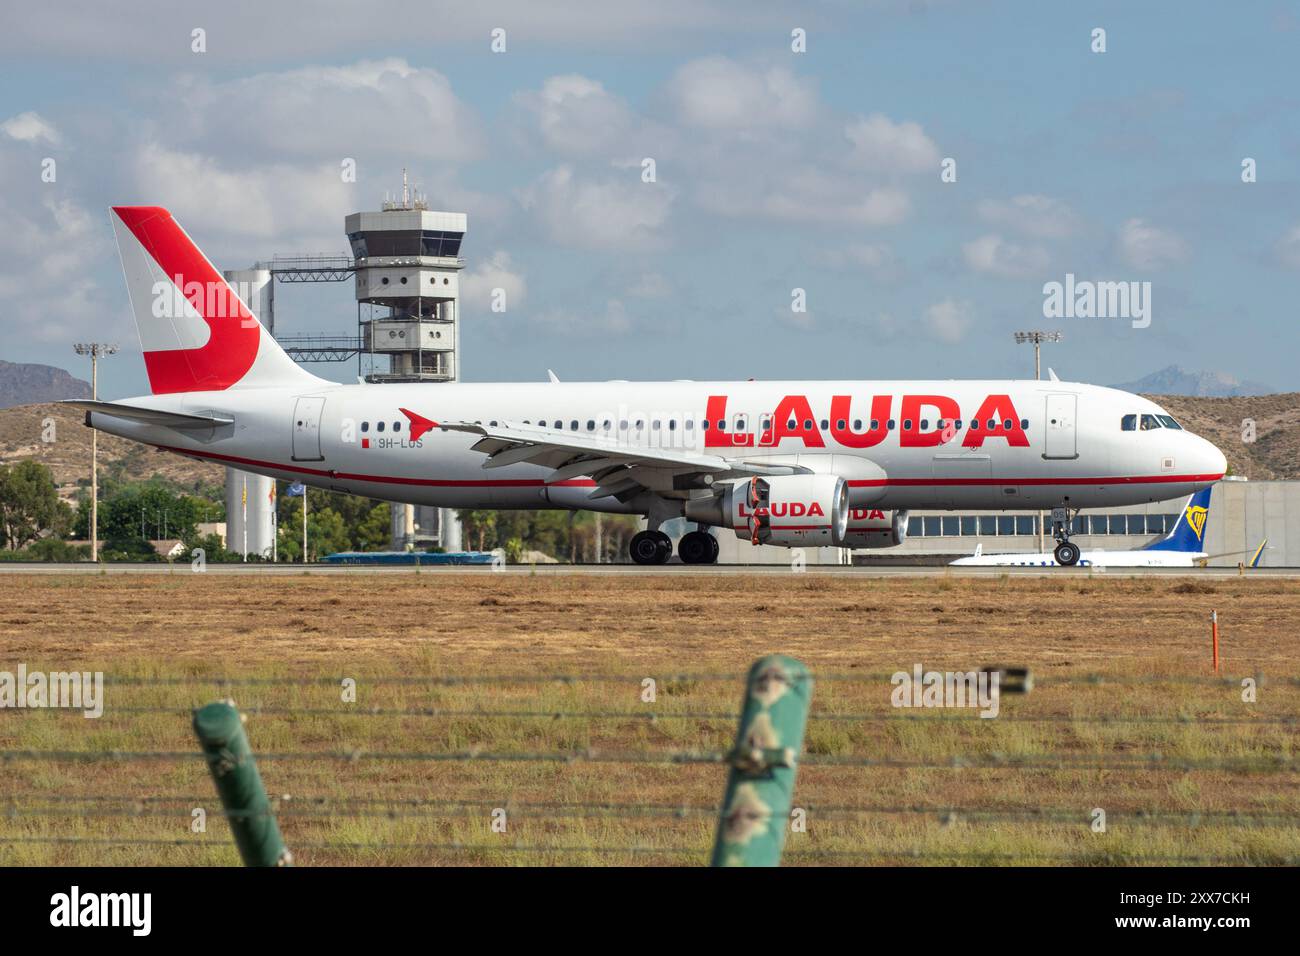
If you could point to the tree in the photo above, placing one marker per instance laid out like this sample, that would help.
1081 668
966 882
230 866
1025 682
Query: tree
30 505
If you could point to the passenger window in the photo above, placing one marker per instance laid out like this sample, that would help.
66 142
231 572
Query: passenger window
825 424
622 424
925 424
690 424
559 424
397 426
807 424
574 424
704 424
365 426
655 424
792 424
591 425
379 427
907 424
890 425
875 423
1008 424
1128 423
1024 423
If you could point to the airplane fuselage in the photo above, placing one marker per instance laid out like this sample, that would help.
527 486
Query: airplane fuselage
1009 445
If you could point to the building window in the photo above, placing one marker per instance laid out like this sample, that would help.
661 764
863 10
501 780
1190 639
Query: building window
932 526
1025 524
1006 524
969 525
914 529
988 524
951 526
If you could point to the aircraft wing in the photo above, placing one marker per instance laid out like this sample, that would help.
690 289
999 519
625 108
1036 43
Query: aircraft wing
618 468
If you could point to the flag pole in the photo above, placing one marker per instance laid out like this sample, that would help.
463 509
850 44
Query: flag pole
304 524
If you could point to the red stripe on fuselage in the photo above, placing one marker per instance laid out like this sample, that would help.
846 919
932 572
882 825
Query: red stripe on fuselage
587 482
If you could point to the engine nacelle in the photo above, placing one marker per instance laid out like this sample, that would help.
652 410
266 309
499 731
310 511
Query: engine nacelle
873 528
789 510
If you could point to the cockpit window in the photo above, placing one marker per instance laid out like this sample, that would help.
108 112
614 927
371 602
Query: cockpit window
1149 422
1168 422
1129 423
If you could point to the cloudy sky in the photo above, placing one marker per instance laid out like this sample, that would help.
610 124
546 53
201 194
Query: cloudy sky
775 170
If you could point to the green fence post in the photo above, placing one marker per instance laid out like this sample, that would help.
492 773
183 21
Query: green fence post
225 746
760 785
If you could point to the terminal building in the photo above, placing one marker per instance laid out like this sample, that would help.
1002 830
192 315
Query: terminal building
1242 514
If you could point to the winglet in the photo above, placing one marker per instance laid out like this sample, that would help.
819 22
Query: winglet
1254 558
1051 374
552 376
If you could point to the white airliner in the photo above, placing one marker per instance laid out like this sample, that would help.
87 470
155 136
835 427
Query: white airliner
1180 548
796 463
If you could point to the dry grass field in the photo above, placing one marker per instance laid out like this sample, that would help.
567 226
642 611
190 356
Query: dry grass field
590 774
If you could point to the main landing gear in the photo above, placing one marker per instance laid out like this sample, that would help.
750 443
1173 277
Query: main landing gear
1067 554
655 547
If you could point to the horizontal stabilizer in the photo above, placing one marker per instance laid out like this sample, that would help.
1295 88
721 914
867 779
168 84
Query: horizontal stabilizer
149 416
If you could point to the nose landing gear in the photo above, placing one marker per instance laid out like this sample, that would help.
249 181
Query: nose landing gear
1067 554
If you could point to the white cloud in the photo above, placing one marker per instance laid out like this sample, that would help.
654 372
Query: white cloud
30 128
608 214
947 321
1147 247
805 195
329 113
478 285
1040 216
1288 248
576 115
612 320
993 255
650 285
298 207
876 258
722 94
880 143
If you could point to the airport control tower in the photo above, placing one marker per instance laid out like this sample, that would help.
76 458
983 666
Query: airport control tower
408 285
407 267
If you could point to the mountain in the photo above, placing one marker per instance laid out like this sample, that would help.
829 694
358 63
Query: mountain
56 436
1176 380
27 384
1275 452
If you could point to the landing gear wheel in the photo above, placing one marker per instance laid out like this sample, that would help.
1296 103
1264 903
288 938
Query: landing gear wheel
697 547
1067 555
650 547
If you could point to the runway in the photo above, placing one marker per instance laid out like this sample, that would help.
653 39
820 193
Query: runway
634 570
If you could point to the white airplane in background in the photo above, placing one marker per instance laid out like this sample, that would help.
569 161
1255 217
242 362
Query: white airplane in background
1180 548
796 463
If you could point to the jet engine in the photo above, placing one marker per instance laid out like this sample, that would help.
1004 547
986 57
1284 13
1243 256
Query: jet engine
873 528
787 510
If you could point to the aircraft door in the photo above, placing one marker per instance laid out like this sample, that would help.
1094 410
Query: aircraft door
1061 439
306 429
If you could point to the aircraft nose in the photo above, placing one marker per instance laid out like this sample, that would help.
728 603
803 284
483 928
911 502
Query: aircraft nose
1210 461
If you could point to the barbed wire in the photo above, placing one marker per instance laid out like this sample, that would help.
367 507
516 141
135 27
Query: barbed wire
951 715
378 808
990 761
794 855
686 677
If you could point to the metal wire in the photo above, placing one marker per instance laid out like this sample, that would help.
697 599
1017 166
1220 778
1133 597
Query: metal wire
990 761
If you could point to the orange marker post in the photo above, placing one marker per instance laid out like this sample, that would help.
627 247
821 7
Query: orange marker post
1214 637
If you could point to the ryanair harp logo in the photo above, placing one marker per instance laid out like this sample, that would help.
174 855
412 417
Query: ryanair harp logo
1196 519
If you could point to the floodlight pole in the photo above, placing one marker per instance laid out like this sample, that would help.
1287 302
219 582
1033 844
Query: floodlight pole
94 350
1038 338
